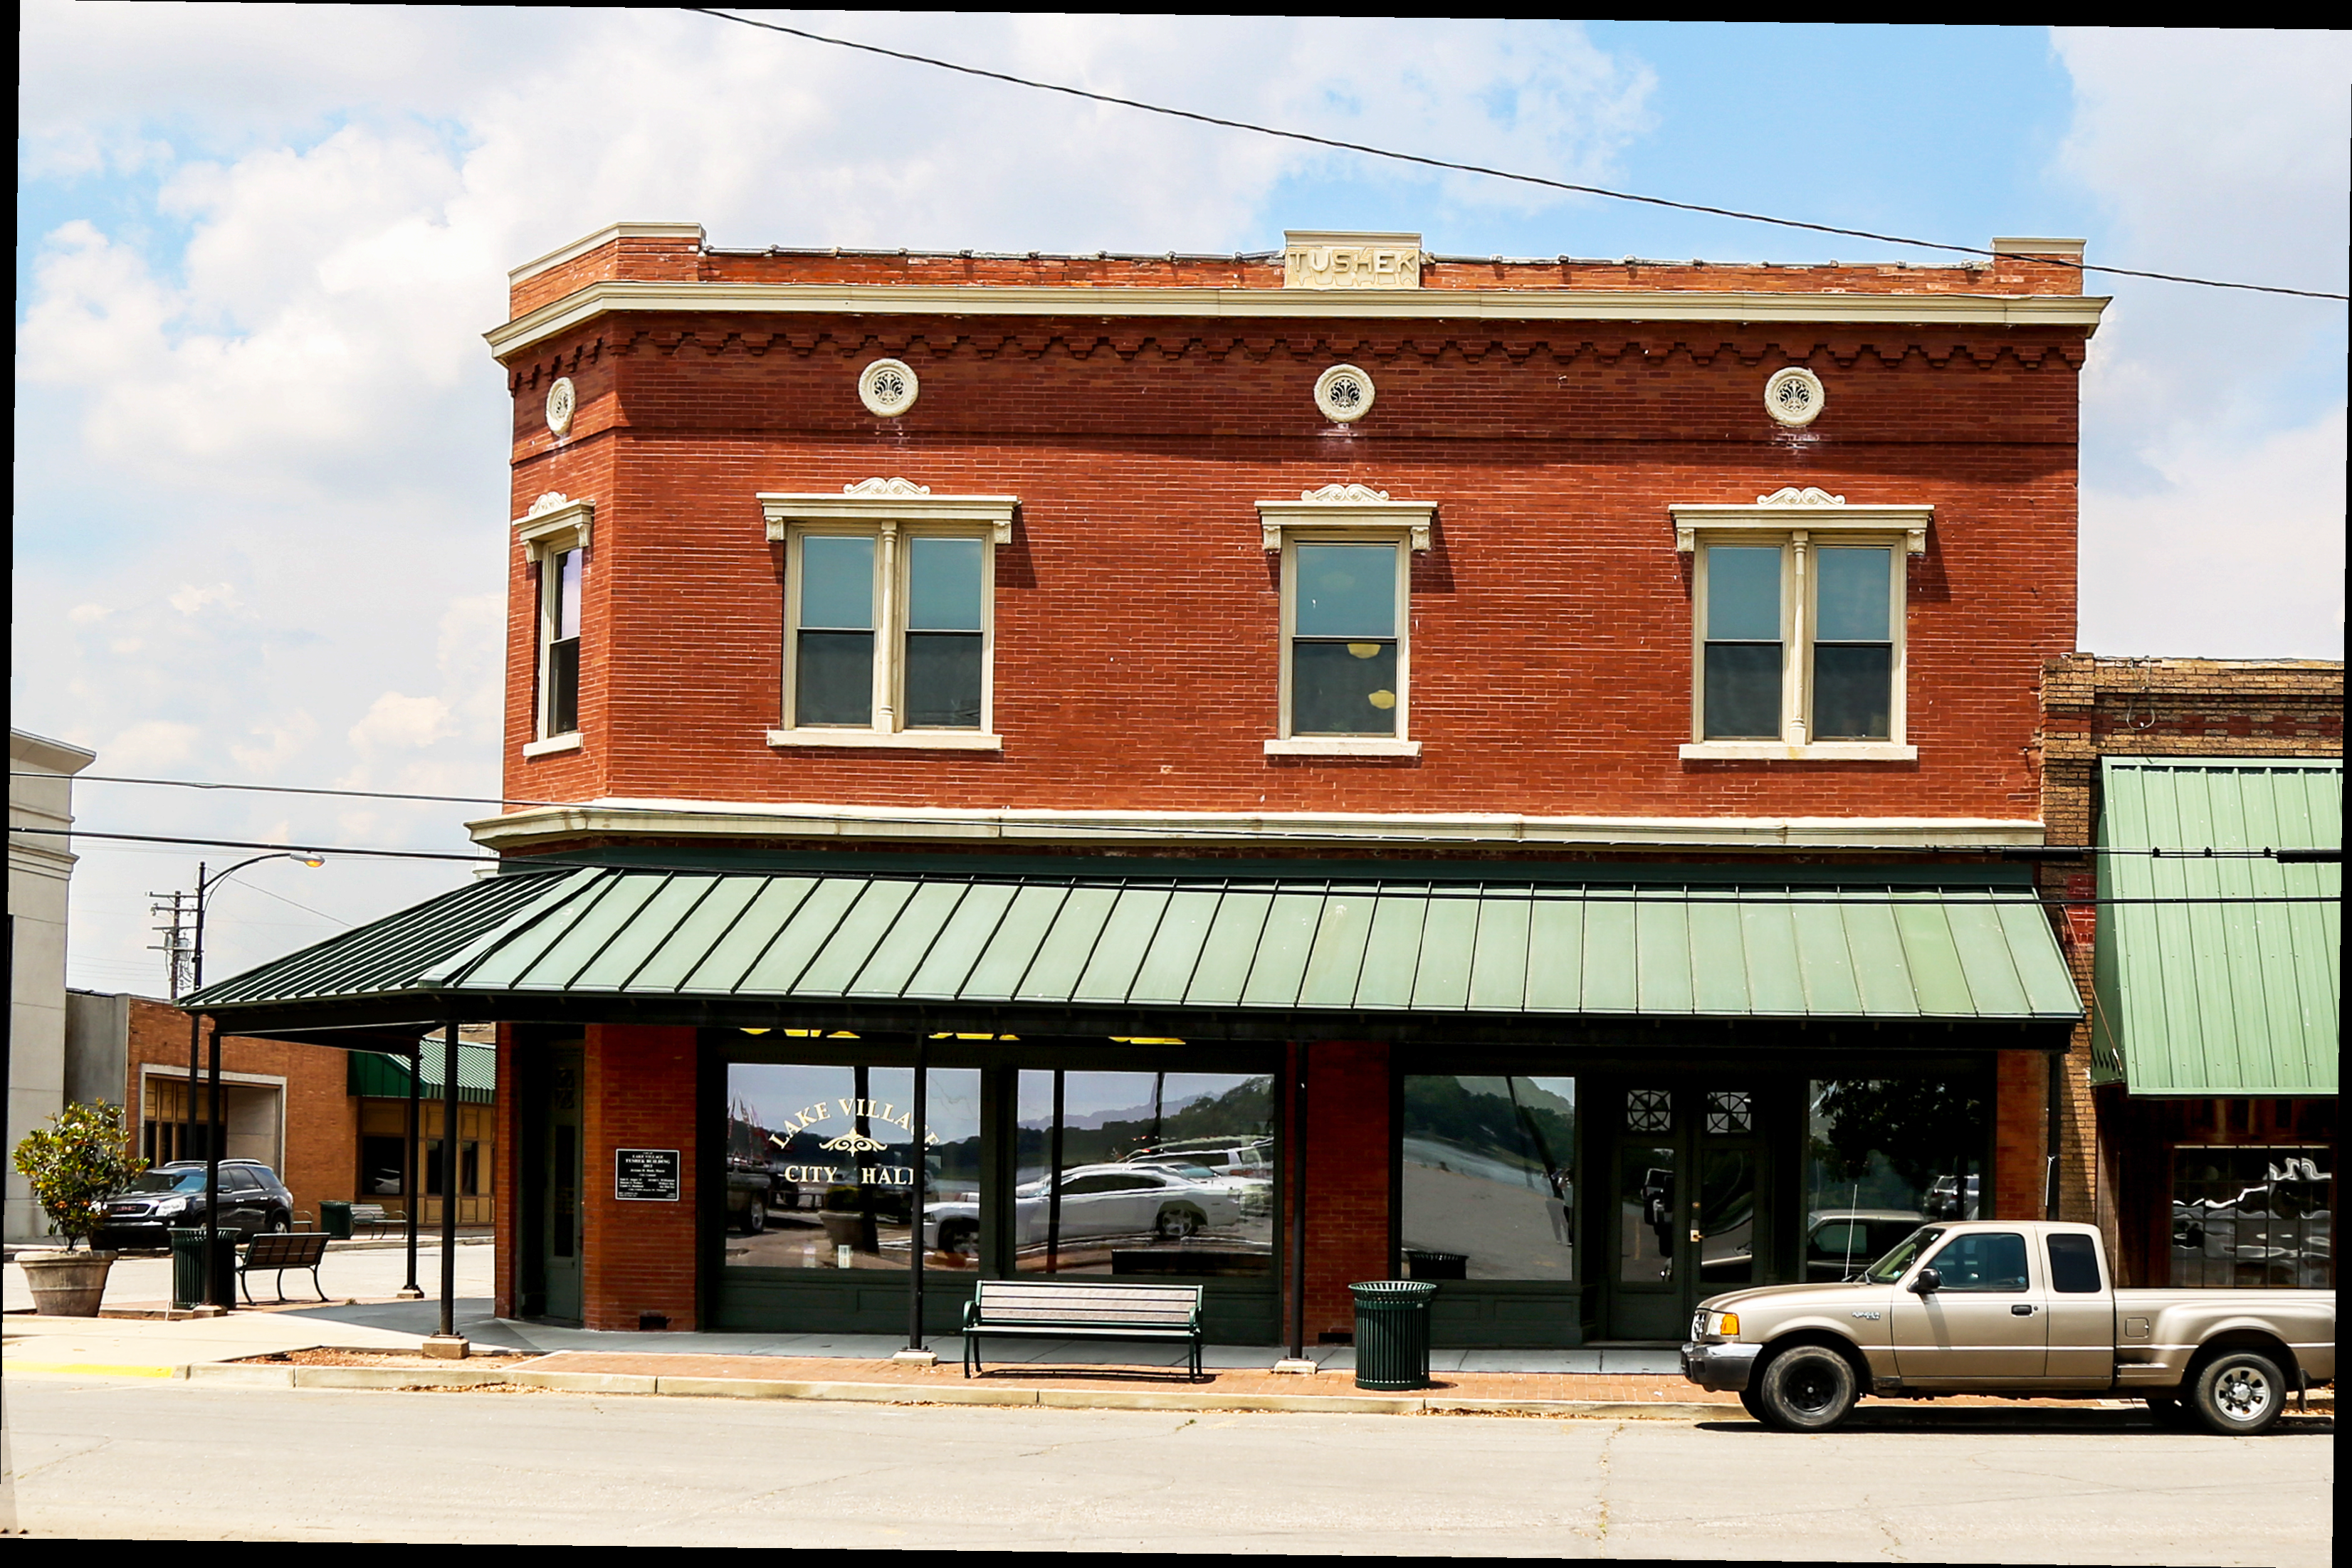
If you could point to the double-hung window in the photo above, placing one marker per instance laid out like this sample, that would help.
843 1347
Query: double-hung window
1346 637
555 539
1798 631
889 617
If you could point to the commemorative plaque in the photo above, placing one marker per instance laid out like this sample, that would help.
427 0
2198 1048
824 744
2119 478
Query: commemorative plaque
645 1176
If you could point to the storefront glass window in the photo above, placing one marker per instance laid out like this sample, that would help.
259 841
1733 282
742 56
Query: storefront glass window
1144 1174
821 1166
1487 1176
1885 1156
2253 1216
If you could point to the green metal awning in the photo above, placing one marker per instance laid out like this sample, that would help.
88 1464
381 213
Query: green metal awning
2219 998
1685 942
371 1073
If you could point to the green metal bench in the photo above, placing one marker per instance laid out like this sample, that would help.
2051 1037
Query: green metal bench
1015 1309
278 1251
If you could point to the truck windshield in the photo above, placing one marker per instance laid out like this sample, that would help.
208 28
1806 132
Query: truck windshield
1889 1268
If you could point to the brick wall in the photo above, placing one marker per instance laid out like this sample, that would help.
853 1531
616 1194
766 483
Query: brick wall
638 1092
1136 612
321 1118
1349 1153
2095 706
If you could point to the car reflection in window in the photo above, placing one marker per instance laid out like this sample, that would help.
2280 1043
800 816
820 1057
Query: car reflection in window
1840 1243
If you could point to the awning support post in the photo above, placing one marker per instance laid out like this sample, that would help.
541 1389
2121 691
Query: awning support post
453 1345
1298 1361
216 1290
409 1181
915 1207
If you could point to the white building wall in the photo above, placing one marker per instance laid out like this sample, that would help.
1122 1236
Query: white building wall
41 870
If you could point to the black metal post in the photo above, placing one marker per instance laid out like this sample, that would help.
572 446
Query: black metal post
196 975
1298 1201
448 1180
214 1286
915 1203
409 1183
1054 1183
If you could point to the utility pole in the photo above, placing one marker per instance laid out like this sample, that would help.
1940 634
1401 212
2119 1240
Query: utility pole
178 945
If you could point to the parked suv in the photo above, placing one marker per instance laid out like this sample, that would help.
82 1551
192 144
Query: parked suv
171 1196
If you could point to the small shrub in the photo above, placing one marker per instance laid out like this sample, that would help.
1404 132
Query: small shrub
75 1163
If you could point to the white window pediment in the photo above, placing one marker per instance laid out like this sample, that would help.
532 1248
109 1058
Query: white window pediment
1810 510
555 523
895 500
1345 507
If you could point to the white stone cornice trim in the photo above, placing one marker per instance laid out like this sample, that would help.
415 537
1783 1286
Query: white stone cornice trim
897 501
1468 305
891 739
727 820
1810 510
1342 746
1811 751
554 523
1342 507
602 237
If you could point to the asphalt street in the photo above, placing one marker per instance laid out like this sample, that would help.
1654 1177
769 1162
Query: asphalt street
158 1459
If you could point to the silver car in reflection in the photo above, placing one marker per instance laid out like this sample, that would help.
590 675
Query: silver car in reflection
1097 1203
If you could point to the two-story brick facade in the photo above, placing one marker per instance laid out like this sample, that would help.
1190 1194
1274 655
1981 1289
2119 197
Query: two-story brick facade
1526 754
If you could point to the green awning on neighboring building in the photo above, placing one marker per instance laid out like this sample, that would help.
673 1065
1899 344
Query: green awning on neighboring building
1933 943
2219 998
371 1073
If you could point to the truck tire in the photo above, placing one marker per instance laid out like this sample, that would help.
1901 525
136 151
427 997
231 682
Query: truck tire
2238 1393
1806 1388
1753 1403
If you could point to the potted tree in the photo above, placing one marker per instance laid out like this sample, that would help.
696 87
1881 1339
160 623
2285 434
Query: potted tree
73 1165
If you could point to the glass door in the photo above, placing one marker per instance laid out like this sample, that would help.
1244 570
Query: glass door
1683 1218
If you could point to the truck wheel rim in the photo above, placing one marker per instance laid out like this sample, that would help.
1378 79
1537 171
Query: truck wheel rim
1812 1392
2243 1393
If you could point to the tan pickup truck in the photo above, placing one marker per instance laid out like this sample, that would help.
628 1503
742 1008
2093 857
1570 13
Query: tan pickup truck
2022 1308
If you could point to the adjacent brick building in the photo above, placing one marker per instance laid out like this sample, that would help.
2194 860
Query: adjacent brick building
1528 753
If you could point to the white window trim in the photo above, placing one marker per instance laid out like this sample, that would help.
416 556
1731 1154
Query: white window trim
1347 514
554 524
891 510
1795 527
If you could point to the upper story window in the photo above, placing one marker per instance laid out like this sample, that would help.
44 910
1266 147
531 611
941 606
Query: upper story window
889 609
1798 631
1346 574
554 536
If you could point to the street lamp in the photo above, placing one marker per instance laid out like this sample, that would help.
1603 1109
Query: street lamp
216 1123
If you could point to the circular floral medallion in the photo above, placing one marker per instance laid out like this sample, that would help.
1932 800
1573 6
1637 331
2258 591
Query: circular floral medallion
563 398
1794 397
1344 393
887 387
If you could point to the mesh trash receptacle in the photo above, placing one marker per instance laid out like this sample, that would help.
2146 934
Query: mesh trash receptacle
335 1219
1392 1334
188 1269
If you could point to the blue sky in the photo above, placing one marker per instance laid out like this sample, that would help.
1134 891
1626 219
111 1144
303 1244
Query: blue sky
260 483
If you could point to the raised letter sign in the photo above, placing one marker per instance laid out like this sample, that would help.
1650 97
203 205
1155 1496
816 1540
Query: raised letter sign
1319 260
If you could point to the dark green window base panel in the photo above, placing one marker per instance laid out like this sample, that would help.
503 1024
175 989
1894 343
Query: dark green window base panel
1474 1315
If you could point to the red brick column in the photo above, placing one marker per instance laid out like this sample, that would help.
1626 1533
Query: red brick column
2020 1110
506 1181
638 1092
1349 1152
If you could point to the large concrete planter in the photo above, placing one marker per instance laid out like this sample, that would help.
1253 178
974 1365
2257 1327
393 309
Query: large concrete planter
66 1284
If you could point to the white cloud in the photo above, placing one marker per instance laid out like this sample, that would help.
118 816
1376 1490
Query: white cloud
395 722
88 614
147 746
192 599
2213 422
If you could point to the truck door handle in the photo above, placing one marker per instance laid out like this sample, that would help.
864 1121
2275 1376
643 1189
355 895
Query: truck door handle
2021 1311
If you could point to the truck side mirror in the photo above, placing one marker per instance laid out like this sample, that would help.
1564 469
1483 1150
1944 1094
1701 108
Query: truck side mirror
1926 1282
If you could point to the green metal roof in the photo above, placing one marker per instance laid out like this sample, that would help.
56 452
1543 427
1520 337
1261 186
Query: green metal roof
2218 999
375 1073
1717 945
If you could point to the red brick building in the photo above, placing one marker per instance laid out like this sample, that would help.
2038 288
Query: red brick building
1530 754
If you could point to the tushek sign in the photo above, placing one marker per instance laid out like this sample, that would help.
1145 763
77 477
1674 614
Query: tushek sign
1318 260
645 1176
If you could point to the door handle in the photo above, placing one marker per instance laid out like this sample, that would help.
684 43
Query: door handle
2021 1311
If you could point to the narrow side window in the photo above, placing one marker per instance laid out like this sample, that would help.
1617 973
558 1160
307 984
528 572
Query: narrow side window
1345 676
560 586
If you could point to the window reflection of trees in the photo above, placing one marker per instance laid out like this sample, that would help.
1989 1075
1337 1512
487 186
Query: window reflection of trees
1488 1177
1885 1156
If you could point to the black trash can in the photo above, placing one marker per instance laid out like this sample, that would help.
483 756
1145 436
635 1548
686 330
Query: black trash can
1392 1334
188 1269
335 1219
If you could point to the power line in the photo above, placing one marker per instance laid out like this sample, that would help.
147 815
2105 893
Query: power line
548 865
1478 168
2005 852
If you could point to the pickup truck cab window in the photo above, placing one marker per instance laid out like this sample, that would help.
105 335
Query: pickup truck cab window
1891 1267
2074 1265
1986 1260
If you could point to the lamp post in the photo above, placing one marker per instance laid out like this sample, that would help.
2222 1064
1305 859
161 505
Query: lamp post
213 1122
